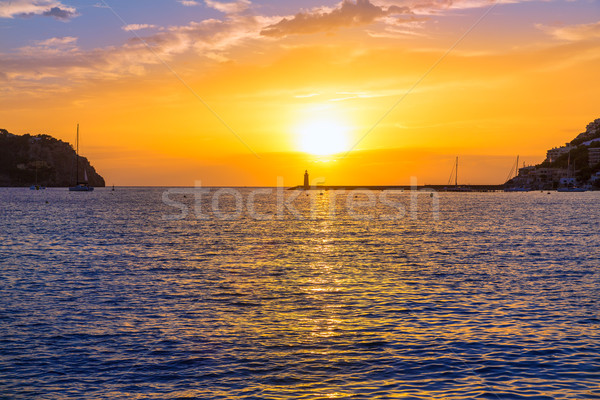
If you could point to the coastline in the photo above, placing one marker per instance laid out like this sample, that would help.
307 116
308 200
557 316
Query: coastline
472 188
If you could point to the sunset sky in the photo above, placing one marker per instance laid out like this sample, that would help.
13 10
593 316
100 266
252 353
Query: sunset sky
170 92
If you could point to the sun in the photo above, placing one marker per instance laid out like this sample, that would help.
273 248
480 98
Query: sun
323 137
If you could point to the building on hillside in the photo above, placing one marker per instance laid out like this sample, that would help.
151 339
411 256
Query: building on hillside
591 141
553 154
593 156
539 178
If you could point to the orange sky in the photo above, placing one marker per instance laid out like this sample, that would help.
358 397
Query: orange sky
213 99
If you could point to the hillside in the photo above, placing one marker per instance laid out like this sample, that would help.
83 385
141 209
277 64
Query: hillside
54 160
575 163
592 131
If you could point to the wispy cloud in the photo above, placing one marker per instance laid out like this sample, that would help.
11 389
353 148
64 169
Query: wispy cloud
573 33
54 46
347 14
61 58
188 3
232 7
30 8
58 41
437 6
137 27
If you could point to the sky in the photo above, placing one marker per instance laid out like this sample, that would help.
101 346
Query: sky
246 92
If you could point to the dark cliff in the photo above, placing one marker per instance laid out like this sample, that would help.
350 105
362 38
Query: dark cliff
54 161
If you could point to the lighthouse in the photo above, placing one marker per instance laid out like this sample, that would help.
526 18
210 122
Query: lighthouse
306 186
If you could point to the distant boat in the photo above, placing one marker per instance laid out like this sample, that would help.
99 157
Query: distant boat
514 172
456 188
82 186
36 186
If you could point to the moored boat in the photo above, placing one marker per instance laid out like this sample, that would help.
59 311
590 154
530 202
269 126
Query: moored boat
571 189
80 186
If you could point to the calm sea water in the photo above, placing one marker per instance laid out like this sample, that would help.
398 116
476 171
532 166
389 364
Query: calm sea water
102 297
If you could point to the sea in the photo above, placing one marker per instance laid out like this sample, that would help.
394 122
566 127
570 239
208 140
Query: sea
260 293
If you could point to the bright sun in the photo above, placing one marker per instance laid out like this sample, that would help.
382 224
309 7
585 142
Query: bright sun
323 137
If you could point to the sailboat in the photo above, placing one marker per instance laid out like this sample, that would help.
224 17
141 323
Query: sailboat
456 188
82 186
36 186
514 172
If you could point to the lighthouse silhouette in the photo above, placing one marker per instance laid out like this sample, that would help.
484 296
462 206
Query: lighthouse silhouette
306 186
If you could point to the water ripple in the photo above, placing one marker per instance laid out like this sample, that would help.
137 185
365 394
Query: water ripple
102 298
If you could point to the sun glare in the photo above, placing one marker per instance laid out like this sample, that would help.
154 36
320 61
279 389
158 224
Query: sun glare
323 137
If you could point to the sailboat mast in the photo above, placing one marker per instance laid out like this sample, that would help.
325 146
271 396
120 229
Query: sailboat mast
77 157
456 176
517 167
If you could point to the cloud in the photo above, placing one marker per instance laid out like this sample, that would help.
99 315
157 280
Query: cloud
58 41
59 13
351 13
347 14
30 8
230 7
573 33
137 27
435 6
51 47
36 68
59 59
